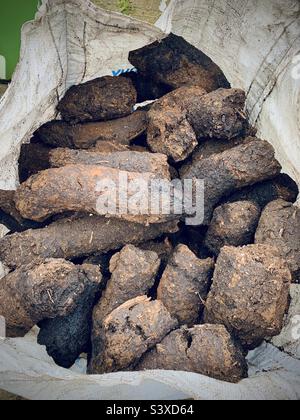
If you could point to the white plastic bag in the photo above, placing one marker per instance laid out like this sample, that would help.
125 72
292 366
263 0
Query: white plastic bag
255 42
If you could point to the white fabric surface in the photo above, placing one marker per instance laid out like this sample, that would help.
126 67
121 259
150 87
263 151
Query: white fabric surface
71 41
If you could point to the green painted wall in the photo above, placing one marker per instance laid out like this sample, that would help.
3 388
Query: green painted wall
13 13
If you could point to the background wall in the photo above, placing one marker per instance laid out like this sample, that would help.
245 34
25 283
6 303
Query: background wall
147 10
13 13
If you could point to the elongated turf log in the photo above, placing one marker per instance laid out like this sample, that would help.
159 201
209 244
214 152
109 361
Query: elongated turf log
211 147
175 62
125 161
233 169
282 187
80 188
232 224
280 226
83 136
9 215
36 292
184 285
133 274
105 98
73 238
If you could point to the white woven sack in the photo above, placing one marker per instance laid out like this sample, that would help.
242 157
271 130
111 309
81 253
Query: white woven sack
256 43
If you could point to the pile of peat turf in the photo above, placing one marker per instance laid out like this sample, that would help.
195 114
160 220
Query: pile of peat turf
148 291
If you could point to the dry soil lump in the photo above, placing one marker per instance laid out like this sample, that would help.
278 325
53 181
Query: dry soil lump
66 337
232 224
184 285
133 274
249 294
36 292
205 349
174 62
226 172
280 226
130 331
101 99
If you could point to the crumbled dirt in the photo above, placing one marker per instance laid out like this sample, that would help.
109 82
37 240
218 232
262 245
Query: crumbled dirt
250 293
280 226
101 99
184 285
232 224
205 349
